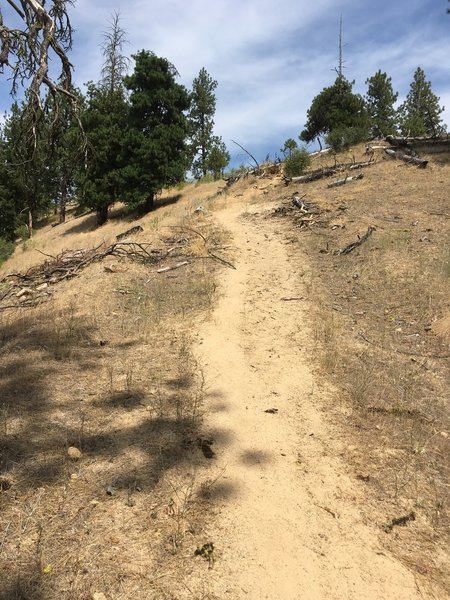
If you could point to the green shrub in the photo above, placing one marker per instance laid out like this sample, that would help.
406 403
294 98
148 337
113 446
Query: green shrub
6 249
208 178
22 232
296 163
342 138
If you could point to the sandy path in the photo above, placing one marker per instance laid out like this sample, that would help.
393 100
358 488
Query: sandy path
282 479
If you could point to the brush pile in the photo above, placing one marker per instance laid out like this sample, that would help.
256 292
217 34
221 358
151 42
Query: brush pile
32 287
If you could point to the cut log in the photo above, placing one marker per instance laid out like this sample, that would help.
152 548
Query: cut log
343 181
420 162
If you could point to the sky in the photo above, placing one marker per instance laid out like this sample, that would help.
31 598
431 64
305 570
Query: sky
270 58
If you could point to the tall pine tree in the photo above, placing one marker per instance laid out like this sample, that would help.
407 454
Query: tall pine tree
420 114
201 121
105 120
380 100
157 153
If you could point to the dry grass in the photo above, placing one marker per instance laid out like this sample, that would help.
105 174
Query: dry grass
378 320
106 367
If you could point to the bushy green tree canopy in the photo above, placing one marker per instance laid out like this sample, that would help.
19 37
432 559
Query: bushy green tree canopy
420 114
218 158
380 100
336 107
156 153
105 119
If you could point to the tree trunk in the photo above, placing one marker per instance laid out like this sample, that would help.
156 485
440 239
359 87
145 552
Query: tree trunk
30 224
150 202
102 215
62 208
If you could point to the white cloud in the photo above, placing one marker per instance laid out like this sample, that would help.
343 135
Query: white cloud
271 58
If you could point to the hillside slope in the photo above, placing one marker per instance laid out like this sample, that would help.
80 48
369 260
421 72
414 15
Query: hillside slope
292 411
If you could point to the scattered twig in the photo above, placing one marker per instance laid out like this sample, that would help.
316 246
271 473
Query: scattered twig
328 510
290 298
177 266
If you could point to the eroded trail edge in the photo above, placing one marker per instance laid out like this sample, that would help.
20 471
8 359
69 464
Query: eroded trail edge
287 522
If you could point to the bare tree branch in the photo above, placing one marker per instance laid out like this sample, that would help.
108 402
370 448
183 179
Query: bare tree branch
26 52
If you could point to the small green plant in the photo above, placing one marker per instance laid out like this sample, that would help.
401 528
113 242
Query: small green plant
297 162
22 232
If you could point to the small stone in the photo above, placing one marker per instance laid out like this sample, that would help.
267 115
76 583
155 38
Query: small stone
444 434
42 286
74 477
74 453
98 596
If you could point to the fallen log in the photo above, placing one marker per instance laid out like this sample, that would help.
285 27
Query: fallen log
327 171
361 165
359 241
312 176
343 181
420 162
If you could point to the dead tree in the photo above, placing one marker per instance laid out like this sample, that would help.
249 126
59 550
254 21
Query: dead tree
26 52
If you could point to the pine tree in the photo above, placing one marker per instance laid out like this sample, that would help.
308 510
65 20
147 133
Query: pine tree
218 158
420 113
380 100
338 115
157 153
201 121
290 145
104 119
28 169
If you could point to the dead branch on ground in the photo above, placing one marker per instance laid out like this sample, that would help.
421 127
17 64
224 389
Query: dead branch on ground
359 241
345 180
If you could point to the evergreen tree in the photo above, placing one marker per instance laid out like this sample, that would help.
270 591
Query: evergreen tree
8 203
218 158
104 119
380 100
339 112
201 121
157 153
29 173
420 113
67 149
290 145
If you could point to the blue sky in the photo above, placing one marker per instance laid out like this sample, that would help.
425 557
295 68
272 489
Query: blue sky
271 58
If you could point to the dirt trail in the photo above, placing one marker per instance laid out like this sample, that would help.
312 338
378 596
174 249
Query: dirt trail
288 526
